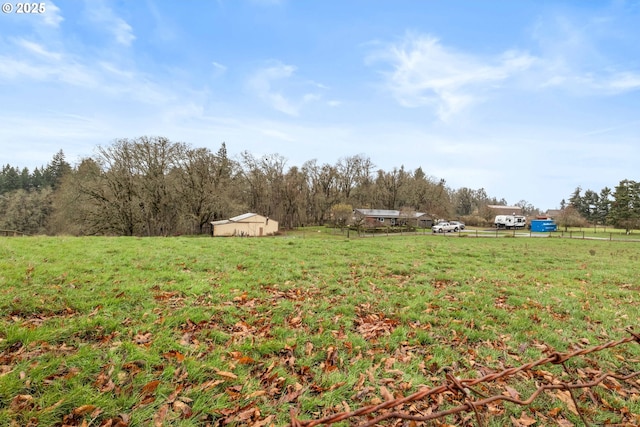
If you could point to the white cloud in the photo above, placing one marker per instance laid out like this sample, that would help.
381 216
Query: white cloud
99 13
263 84
37 49
574 59
278 134
114 70
625 81
218 69
426 73
11 68
52 16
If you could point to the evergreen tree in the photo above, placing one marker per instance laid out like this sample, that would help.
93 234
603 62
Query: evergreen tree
603 206
625 208
10 179
55 170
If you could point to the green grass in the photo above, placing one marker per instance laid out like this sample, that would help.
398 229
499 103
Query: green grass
211 328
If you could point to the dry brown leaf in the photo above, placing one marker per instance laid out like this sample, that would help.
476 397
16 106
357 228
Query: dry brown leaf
512 392
385 393
150 387
565 397
266 421
21 402
183 408
174 355
208 385
226 374
308 348
84 409
147 400
158 418
564 423
55 405
257 393
524 420
554 412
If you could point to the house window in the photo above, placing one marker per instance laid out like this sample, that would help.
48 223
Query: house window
380 219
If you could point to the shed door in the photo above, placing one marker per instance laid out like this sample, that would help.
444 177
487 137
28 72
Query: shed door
261 231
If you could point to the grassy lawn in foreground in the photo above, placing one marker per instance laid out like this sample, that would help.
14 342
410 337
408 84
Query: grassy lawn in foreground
190 331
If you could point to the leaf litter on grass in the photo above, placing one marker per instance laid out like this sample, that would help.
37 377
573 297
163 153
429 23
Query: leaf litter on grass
259 330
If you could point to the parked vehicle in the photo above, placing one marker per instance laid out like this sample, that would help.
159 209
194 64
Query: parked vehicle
441 227
510 221
458 223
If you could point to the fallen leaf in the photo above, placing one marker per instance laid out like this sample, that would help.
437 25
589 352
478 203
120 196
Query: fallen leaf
385 393
174 355
55 405
513 393
158 418
150 387
84 409
554 412
226 374
257 393
308 348
565 397
524 420
265 422
564 423
183 408
21 402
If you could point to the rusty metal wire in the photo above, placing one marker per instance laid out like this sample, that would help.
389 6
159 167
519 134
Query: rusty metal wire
463 385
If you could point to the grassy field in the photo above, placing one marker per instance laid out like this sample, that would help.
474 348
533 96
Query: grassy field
200 331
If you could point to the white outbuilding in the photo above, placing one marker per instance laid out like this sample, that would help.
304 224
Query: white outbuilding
249 224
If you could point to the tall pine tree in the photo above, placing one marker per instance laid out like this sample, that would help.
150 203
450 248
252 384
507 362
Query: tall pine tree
625 208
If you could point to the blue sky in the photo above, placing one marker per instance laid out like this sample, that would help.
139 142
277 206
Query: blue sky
527 99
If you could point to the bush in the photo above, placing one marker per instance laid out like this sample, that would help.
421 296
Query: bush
475 221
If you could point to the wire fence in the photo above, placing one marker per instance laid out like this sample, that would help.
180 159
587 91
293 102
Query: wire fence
460 394
496 232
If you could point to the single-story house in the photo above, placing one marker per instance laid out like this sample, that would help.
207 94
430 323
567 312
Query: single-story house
554 213
505 210
387 217
249 224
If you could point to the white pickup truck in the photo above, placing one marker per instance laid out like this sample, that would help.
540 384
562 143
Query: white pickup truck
441 227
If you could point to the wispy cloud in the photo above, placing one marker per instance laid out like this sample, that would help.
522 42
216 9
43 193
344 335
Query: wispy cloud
269 84
99 13
38 49
52 17
218 69
573 57
262 84
424 72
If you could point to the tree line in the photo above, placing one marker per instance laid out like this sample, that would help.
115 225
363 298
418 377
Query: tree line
150 186
619 207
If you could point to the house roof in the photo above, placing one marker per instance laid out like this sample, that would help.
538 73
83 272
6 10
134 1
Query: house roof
242 217
506 210
239 218
515 208
386 213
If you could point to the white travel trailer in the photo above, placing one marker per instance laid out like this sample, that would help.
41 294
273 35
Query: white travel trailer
510 221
